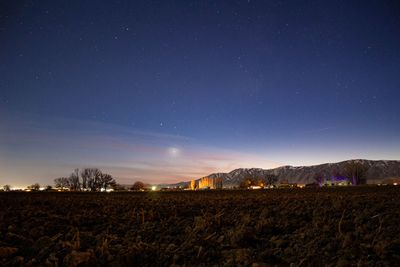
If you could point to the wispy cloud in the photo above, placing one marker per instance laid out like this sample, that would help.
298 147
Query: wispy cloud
40 149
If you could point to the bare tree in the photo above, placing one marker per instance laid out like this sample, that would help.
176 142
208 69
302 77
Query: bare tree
92 177
7 188
319 179
271 179
34 187
355 171
62 183
48 188
106 180
85 175
137 186
74 183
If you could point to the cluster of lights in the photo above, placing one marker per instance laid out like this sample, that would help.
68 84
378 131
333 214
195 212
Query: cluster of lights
108 190
154 188
395 183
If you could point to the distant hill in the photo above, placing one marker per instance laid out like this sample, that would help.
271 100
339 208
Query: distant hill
378 170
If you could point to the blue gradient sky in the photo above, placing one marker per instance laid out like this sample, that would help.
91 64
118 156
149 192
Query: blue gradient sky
163 91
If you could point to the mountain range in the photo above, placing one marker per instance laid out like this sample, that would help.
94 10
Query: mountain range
378 171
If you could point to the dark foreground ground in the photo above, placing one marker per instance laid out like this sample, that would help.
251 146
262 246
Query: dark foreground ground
298 227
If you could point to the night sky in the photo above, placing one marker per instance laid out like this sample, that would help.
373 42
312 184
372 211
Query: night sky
164 91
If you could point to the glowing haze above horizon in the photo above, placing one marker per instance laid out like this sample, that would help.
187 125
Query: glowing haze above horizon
165 91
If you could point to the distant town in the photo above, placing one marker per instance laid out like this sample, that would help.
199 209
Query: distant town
348 173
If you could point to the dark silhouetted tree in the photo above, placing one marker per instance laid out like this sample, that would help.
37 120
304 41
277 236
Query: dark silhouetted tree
86 175
106 180
74 183
271 179
137 186
89 179
245 183
356 172
92 177
48 188
319 179
34 187
252 181
7 188
118 187
62 183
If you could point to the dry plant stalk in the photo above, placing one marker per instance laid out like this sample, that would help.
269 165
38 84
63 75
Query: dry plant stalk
340 223
378 231
77 240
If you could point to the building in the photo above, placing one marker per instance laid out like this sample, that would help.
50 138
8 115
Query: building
255 187
286 184
210 183
337 181
192 185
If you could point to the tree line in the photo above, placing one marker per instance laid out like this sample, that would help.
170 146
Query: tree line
94 180
88 179
353 172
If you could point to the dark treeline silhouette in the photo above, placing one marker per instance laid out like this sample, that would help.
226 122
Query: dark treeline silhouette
89 179
137 186
353 172
7 188
94 180
267 179
318 179
356 172
34 187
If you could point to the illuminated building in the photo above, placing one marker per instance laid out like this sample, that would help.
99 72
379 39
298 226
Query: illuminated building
192 185
210 183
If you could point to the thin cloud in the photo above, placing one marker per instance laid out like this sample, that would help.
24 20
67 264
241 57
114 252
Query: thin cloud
63 144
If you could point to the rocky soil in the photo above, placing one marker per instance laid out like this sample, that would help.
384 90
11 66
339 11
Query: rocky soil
353 226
